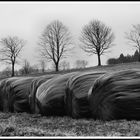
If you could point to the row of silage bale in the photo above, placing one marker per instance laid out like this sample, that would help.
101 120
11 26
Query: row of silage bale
50 95
18 94
45 94
79 94
23 91
116 96
15 93
76 97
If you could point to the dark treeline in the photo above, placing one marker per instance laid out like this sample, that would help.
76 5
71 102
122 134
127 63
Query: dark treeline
124 59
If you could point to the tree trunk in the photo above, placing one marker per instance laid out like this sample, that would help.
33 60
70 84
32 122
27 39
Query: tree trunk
99 60
13 71
56 66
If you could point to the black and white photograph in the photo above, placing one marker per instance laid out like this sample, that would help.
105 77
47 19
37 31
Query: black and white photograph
69 69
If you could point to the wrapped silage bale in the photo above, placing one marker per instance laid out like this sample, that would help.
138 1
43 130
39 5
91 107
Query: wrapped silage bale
116 96
1 94
5 93
34 86
20 91
76 99
50 95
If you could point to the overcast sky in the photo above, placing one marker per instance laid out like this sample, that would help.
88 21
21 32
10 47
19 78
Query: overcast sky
28 19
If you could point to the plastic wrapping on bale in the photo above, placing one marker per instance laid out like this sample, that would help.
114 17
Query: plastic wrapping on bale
1 94
5 94
116 96
20 91
34 86
50 95
76 98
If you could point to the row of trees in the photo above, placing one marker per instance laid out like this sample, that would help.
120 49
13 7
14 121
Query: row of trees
56 42
96 38
124 59
27 68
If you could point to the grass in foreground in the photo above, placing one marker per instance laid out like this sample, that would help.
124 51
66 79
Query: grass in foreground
22 124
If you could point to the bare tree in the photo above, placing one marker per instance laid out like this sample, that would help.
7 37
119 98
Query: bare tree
6 72
65 65
97 38
134 37
35 68
81 63
10 51
43 65
55 42
26 67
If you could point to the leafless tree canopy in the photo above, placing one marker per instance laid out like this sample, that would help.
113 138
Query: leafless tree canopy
97 38
55 42
81 63
26 67
43 65
65 65
134 37
10 51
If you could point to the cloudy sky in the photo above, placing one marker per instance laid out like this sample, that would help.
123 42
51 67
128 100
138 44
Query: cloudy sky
28 19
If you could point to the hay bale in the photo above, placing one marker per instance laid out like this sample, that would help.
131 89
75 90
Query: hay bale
5 94
116 96
50 95
20 91
1 94
34 86
76 98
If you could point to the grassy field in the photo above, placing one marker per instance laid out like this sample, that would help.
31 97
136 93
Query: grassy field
23 124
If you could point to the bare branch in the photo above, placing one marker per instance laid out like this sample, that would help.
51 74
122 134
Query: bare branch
134 36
